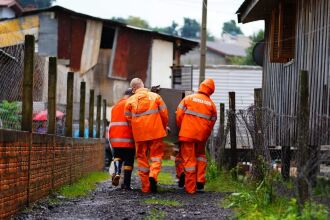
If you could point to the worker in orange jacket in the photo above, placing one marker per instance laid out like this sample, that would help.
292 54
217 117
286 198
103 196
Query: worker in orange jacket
147 113
195 116
122 142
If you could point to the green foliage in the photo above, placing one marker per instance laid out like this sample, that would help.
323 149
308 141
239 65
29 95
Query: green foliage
168 163
165 178
322 188
212 172
231 27
248 60
133 21
164 202
37 3
190 29
84 185
171 30
156 214
10 117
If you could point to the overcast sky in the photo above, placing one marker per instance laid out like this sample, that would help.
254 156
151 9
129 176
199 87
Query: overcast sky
161 13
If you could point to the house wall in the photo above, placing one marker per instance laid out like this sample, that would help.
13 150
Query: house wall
193 58
281 81
161 61
239 79
6 13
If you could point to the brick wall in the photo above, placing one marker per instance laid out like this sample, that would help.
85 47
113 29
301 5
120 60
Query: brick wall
32 165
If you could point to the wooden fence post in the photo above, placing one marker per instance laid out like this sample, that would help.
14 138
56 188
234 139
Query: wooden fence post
98 116
303 139
69 105
258 145
232 121
221 156
52 82
82 109
104 117
27 99
285 162
91 114
51 109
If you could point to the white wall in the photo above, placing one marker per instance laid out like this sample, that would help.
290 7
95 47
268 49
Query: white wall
239 79
161 61
6 13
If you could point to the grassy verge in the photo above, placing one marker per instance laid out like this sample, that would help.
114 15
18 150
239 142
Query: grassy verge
168 163
259 202
84 185
156 214
165 178
165 202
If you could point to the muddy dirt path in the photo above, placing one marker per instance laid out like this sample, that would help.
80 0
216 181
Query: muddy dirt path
107 202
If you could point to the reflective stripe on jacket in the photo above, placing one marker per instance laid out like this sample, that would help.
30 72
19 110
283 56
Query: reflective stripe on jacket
196 116
147 114
120 132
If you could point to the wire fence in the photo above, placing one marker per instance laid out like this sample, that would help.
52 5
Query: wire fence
11 93
284 165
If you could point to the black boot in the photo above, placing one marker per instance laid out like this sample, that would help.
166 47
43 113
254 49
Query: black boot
127 180
153 185
116 176
181 180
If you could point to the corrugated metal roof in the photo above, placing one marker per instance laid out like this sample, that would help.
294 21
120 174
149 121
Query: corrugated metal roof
186 44
229 49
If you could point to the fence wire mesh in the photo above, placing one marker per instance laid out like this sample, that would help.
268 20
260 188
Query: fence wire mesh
256 131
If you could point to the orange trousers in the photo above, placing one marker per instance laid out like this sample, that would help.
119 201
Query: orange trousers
152 150
194 163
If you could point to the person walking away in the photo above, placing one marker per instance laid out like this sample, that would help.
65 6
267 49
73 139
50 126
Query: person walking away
122 143
195 116
147 113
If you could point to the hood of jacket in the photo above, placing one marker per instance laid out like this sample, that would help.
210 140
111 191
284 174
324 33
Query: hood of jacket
207 87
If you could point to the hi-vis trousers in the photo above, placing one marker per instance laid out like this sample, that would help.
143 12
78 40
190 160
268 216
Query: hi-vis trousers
194 162
155 155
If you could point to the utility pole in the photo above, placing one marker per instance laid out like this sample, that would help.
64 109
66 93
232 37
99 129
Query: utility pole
203 43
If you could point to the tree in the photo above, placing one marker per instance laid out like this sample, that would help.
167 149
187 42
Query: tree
171 30
37 3
248 60
230 27
133 21
190 29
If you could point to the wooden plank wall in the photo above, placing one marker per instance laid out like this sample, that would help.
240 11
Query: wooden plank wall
281 81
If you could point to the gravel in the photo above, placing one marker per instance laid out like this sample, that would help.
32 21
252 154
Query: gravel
107 202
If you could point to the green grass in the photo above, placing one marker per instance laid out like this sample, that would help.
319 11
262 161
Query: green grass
168 163
260 202
165 178
84 185
164 202
156 214
223 183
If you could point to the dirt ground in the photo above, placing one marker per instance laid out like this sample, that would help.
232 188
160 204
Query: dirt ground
107 202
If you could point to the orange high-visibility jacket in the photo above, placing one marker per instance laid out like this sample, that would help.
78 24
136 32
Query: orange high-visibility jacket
197 114
120 132
147 113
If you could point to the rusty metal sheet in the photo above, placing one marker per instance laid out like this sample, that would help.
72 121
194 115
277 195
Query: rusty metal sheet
91 46
64 36
78 31
132 54
12 32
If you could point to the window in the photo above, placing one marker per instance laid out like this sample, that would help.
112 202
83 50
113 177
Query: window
282 32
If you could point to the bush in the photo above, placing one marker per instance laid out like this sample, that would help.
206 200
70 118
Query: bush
10 117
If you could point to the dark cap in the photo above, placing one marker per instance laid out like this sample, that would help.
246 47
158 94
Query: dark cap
129 92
